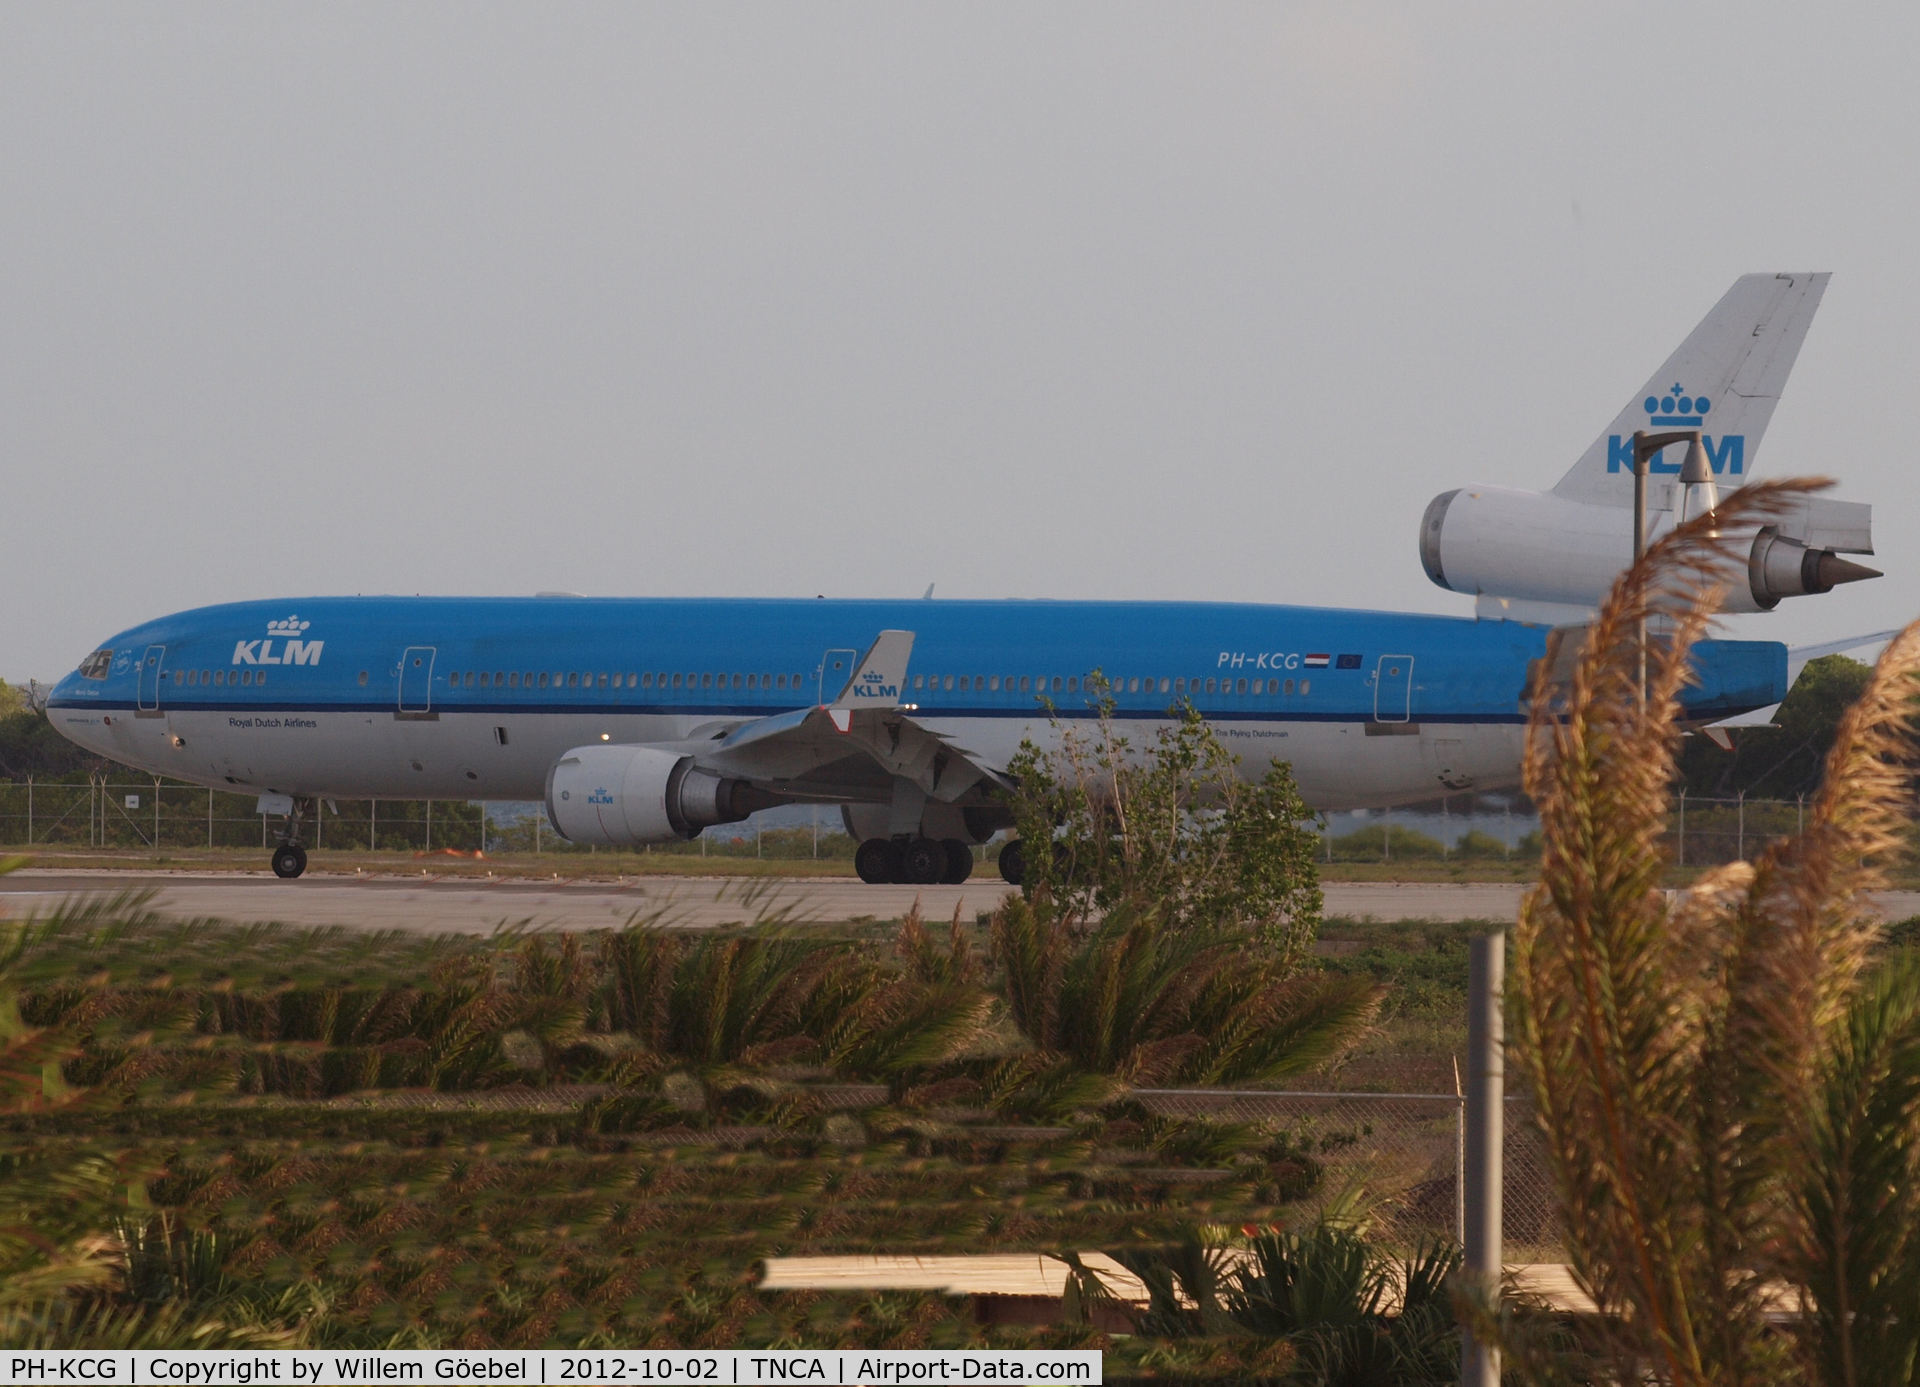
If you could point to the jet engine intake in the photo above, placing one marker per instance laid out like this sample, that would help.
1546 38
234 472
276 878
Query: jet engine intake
623 796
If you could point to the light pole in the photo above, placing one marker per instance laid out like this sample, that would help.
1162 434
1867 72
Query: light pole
1694 471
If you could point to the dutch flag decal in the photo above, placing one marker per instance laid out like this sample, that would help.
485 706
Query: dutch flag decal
1315 661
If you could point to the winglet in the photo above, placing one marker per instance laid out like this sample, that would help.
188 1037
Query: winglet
882 675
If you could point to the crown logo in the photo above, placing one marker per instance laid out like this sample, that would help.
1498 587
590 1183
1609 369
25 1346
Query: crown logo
1678 409
292 626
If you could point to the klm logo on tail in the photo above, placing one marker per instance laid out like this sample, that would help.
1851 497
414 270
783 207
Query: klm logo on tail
1679 410
873 684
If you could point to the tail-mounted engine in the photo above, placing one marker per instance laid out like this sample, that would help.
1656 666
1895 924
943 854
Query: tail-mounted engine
1536 547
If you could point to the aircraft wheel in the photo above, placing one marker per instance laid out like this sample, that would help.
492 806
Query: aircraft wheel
873 861
959 861
1013 863
921 862
289 860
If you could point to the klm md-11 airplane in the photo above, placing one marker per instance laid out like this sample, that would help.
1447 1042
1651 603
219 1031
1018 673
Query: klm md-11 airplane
641 720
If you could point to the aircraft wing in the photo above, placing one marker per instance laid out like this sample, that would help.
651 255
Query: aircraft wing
854 746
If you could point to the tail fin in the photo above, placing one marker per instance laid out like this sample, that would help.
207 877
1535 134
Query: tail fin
1725 379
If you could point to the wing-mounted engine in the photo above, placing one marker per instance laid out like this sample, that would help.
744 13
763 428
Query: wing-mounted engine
623 796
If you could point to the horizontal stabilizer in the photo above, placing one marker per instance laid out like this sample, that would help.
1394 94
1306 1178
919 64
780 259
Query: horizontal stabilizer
1798 658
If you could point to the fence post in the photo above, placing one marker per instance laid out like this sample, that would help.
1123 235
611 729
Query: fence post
1386 835
209 816
539 814
29 811
373 827
1459 1157
1799 811
1681 858
1740 828
156 813
429 825
483 828
1486 1122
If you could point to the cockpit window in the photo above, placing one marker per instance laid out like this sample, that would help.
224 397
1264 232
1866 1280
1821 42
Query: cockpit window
96 665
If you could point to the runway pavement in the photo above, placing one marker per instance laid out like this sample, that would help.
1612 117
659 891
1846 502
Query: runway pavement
464 905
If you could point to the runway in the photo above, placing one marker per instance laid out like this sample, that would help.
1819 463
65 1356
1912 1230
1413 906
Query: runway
454 905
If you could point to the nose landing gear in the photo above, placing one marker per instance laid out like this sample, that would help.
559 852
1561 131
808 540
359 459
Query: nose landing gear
289 860
289 857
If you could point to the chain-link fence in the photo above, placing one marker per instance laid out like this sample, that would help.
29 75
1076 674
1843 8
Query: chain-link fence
1701 832
155 814
1405 1148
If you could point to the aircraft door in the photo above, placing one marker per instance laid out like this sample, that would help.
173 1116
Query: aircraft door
836 667
416 679
150 669
1393 688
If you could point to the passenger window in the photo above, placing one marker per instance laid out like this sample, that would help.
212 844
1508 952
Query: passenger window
527 678
220 676
1166 685
483 679
766 681
949 684
736 681
246 676
706 681
1056 683
1180 686
1287 687
752 682
603 680
919 681
1240 686
1026 683
1305 685
573 679
779 681
1211 685
1273 686
499 679
543 679
260 677
993 684
1073 685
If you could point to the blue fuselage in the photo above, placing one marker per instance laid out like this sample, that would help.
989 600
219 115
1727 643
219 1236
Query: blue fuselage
476 697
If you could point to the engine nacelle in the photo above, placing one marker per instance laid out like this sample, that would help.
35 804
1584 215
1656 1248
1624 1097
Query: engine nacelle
623 796
1538 547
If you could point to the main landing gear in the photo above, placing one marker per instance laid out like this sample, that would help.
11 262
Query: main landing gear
913 861
289 858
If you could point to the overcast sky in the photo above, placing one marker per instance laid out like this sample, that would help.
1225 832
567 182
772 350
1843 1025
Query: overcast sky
1190 301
